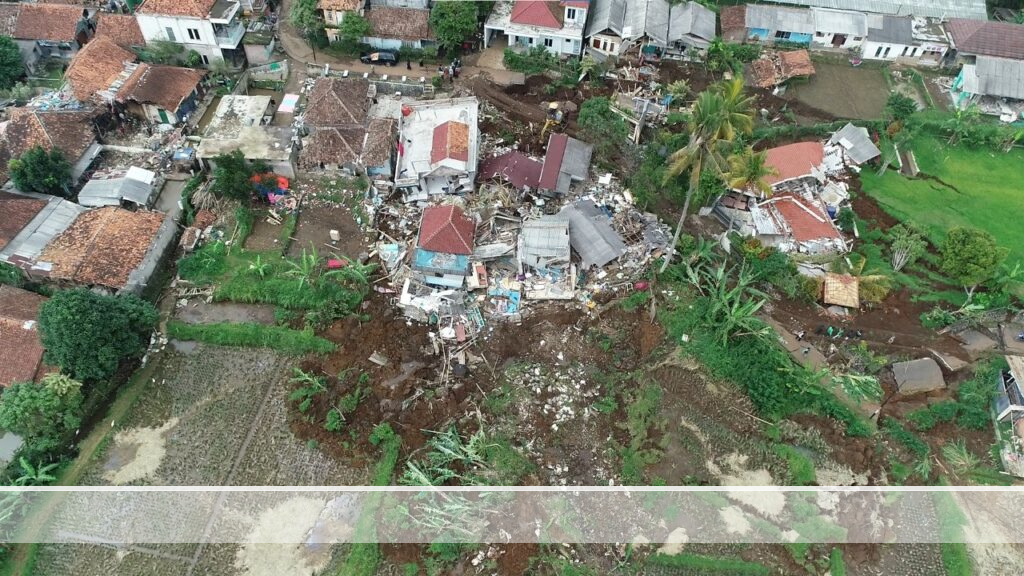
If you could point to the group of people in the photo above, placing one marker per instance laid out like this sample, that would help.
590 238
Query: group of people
450 71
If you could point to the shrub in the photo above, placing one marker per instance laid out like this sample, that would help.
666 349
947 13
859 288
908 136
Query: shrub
937 318
44 415
801 469
43 171
536 60
974 397
284 340
899 107
603 127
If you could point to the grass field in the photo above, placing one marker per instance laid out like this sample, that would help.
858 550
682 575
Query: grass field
958 186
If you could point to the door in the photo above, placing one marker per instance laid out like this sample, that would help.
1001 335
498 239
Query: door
838 40
163 115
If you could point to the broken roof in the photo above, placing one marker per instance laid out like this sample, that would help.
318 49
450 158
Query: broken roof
51 22
16 211
446 229
932 8
567 159
804 221
793 160
342 5
164 86
410 24
923 375
337 102
591 234
774 68
450 142
380 140
102 246
190 8
95 67
134 185
991 76
544 242
842 290
795 63
122 29
8 18
514 167
534 13
980 37
332 146
658 20
857 143
21 352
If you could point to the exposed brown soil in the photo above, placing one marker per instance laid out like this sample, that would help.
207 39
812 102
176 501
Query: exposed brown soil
315 225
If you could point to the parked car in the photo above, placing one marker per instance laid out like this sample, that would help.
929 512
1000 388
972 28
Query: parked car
383 57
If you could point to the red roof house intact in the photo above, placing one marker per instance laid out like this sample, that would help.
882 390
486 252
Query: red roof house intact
979 37
451 141
21 352
447 230
794 160
16 212
514 167
537 13
805 221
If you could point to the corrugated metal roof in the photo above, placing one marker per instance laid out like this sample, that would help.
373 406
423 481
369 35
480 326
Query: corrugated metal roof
53 219
893 30
973 9
777 18
993 76
840 22
591 235
544 242
657 19
135 186
857 143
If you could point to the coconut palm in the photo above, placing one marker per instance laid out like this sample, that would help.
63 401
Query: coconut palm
748 171
718 115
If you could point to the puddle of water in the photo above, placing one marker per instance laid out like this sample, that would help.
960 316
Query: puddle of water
9 444
184 346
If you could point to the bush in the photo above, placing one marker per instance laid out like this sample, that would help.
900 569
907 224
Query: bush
88 334
44 415
937 318
603 127
245 219
43 171
536 60
974 397
905 438
284 340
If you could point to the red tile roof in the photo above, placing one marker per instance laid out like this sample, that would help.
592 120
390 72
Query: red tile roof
95 67
553 161
193 8
16 212
794 160
516 168
123 29
451 140
1000 39
447 230
53 22
795 63
21 352
805 221
537 13
165 86
410 24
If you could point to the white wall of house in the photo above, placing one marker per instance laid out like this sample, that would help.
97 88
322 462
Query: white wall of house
606 43
192 33
929 55
826 39
391 43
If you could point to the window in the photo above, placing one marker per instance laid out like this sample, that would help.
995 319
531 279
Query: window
913 52
193 33
878 52
596 43
819 34
782 35
570 14
886 54
548 42
857 38
170 34
205 59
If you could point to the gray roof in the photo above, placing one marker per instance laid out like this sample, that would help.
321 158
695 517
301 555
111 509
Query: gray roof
991 76
656 19
974 9
53 219
894 30
778 18
857 143
840 22
544 243
575 164
135 186
918 376
591 234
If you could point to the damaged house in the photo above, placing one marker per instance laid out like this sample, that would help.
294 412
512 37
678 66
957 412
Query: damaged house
239 123
48 33
437 148
566 161
335 116
591 234
162 94
545 259
617 26
444 245
992 76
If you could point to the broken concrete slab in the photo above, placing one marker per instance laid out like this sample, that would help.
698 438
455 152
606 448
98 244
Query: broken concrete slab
948 361
916 376
975 343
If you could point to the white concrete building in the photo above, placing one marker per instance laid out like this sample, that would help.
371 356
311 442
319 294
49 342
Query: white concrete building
618 25
914 41
213 28
523 24
437 148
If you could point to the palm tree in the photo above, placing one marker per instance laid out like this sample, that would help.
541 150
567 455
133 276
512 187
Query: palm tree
718 115
959 124
748 171
34 475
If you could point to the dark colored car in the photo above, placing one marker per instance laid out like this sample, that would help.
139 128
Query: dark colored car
383 57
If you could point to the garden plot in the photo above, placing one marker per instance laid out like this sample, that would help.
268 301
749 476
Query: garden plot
842 90
215 416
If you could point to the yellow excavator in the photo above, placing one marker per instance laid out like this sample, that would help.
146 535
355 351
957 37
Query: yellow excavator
556 117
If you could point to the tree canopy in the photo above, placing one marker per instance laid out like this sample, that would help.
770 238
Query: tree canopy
970 256
353 27
899 107
231 175
305 18
453 22
43 171
11 66
88 334
604 128
43 414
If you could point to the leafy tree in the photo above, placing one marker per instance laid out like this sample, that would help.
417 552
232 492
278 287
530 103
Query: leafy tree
748 171
960 123
453 22
907 245
43 414
193 59
718 115
231 175
11 66
899 107
601 126
88 334
970 256
43 171
304 16
161 52
353 27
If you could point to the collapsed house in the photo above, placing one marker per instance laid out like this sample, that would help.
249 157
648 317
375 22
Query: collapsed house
133 186
855 143
775 68
591 234
545 261
437 148
336 116
240 123
566 161
1008 405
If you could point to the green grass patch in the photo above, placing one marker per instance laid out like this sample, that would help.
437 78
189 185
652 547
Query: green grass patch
244 219
641 410
801 468
284 340
709 564
363 559
968 186
291 221
635 300
955 558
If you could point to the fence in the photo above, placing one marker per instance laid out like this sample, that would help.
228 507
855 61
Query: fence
410 87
